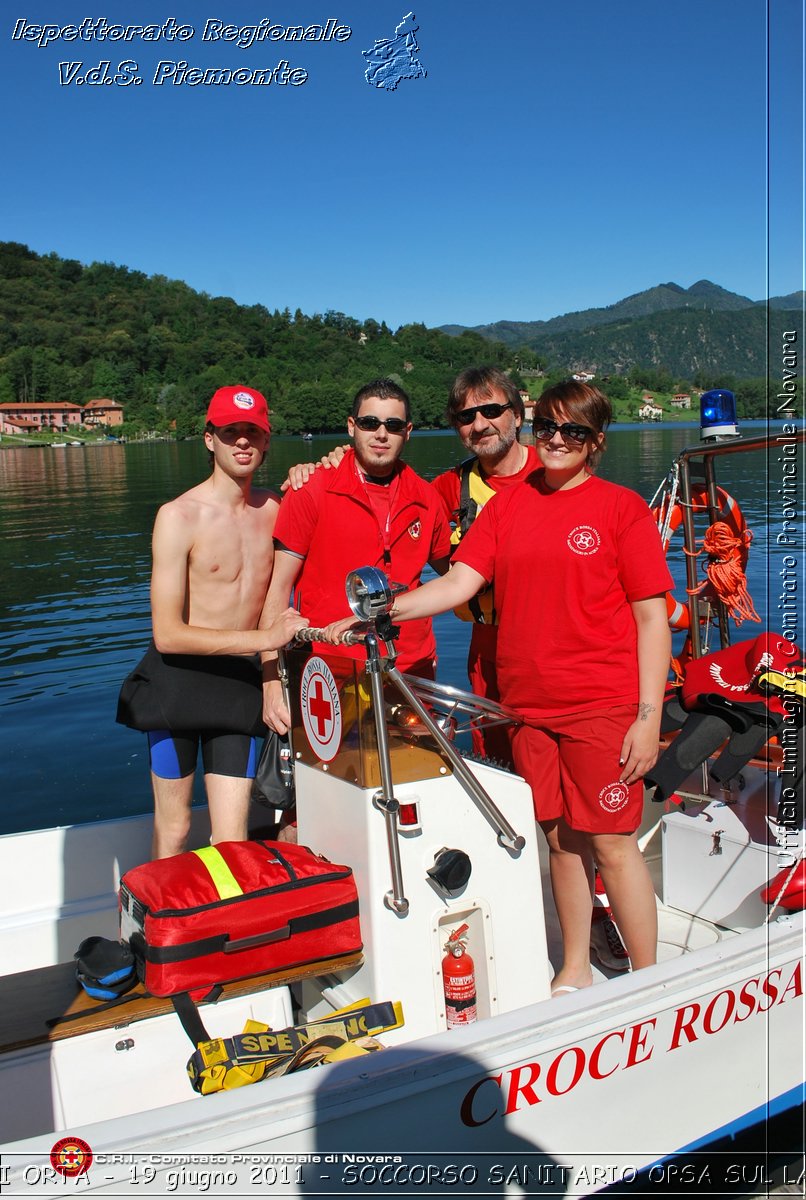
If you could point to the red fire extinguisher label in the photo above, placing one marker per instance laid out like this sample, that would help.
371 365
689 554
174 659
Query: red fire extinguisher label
460 998
463 987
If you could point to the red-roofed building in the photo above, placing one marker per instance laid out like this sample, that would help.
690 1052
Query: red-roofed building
102 412
38 417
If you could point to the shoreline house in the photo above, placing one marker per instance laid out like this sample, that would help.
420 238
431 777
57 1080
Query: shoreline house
649 410
681 400
102 412
37 416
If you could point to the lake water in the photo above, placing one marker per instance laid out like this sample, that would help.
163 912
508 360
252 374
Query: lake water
74 616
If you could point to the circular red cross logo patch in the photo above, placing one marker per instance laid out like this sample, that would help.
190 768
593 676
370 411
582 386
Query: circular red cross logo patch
71 1156
584 540
321 709
614 796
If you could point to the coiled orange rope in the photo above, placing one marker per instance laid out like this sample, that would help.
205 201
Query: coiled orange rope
727 552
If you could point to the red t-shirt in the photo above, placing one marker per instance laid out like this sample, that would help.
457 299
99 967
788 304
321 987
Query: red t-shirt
337 526
567 565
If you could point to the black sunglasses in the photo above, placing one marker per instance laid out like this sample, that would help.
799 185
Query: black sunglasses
488 411
391 424
545 430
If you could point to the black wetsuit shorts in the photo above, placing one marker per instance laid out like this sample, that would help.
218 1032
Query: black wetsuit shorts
174 755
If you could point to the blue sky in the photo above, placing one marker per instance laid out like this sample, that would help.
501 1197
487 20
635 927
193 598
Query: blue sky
556 157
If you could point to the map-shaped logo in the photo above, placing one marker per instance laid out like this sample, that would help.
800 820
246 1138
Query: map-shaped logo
392 59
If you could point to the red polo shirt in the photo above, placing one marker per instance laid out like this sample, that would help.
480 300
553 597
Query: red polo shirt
334 525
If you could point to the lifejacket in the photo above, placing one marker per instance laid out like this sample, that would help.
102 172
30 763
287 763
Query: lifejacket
474 492
722 699
732 676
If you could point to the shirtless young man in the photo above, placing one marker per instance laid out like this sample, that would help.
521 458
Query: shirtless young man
212 561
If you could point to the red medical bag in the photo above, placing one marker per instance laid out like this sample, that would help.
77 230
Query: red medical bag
233 910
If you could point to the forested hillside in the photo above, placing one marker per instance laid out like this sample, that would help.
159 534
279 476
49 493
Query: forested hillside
160 349
687 343
75 332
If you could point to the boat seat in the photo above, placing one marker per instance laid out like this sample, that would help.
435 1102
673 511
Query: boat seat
29 1000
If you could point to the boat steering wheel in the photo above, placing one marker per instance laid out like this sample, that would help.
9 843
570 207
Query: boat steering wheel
455 704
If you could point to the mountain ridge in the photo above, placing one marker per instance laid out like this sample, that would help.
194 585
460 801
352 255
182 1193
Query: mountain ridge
662 297
701 328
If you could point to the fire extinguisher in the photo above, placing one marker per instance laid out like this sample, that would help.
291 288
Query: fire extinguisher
459 980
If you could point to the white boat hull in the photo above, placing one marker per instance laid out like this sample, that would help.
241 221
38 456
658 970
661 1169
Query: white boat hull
582 1091
710 1040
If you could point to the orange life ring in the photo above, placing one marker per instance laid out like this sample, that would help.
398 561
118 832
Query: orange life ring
677 614
729 512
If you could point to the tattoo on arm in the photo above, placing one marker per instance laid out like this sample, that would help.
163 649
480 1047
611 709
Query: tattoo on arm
644 711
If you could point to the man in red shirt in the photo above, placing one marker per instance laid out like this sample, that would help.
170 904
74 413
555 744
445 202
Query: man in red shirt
371 510
486 410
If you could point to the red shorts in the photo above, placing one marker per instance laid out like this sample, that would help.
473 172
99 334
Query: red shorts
571 764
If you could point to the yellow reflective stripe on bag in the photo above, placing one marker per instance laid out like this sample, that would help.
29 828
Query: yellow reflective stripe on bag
223 879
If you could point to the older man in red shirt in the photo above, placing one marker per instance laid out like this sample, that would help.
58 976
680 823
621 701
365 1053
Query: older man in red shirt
487 411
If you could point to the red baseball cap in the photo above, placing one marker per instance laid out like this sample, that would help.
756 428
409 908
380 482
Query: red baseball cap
239 405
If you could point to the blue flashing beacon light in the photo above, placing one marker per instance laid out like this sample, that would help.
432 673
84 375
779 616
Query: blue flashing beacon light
718 414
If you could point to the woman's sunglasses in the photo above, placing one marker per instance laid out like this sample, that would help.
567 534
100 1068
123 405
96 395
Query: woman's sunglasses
545 431
488 411
391 424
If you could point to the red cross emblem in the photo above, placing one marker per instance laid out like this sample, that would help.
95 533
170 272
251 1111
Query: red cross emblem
321 709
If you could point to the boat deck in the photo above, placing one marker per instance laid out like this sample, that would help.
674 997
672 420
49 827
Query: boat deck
30 1001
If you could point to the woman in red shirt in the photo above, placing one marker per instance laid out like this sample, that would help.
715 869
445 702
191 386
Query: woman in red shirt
583 655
